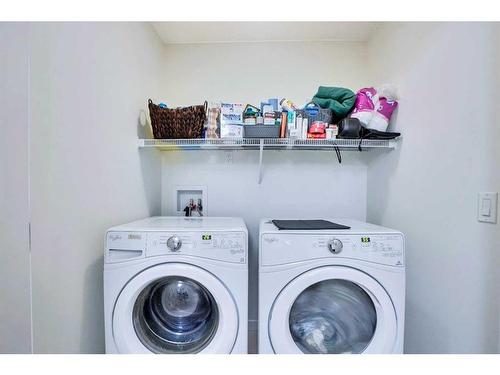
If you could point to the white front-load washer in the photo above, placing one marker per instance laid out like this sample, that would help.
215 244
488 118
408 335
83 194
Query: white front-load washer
331 291
176 285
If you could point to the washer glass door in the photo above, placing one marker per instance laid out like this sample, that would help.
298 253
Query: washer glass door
175 314
175 308
331 317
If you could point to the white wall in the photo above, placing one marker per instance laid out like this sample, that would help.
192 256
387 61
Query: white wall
295 184
428 188
15 317
88 83
250 72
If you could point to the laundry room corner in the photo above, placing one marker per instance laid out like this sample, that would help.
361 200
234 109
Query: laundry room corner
277 186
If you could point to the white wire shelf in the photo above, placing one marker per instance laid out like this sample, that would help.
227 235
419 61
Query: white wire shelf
267 143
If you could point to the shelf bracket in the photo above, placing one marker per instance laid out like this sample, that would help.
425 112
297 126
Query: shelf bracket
261 152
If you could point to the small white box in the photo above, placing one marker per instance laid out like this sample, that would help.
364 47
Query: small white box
231 131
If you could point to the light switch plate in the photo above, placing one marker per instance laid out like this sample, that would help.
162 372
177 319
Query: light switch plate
487 207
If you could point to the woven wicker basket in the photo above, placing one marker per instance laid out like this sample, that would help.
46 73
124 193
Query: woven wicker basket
177 123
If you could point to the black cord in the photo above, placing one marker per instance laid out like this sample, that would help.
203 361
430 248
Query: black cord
339 155
359 145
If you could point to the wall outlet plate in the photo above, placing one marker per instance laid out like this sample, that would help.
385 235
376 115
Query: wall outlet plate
182 195
487 207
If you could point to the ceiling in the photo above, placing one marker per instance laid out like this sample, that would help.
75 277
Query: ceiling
223 32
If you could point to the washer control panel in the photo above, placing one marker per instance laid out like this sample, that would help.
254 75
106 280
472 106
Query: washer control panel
224 246
387 249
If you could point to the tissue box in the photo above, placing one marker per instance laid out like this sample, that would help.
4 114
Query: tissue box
231 130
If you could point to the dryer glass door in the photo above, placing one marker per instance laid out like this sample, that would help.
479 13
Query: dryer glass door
333 310
333 316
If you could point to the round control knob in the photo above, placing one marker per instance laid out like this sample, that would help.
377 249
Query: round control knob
335 246
174 243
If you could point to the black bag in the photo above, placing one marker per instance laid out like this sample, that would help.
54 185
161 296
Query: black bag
376 134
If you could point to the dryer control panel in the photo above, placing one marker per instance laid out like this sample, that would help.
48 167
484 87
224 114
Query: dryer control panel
223 246
386 249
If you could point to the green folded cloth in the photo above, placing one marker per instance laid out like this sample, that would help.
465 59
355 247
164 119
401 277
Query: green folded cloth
340 100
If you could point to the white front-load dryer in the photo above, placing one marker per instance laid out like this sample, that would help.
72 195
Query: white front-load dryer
176 285
331 291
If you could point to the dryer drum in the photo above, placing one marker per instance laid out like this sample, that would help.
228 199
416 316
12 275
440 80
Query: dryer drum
175 315
332 317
